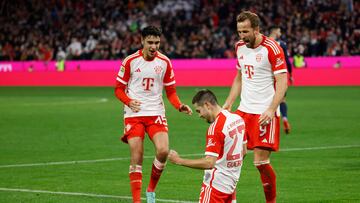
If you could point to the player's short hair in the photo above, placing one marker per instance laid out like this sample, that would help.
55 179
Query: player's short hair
274 27
248 15
203 96
151 30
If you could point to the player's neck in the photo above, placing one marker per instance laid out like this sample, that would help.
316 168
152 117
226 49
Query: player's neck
217 110
146 55
258 40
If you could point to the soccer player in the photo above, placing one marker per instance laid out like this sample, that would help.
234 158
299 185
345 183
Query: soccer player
261 81
139 85
275 33
225 149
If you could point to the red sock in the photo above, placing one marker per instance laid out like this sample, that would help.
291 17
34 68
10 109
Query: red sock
156 171
268 179
135 175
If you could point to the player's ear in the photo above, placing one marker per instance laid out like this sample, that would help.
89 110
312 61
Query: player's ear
142 41
257 30
207 105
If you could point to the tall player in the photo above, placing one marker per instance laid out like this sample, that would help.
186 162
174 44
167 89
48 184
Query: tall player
225 149
139 85
262 82
275 33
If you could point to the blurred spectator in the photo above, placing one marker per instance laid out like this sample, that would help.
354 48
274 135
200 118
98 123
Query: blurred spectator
94 29
74 50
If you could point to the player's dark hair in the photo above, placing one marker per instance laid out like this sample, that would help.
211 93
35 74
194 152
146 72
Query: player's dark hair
204 96
150 30
274 27
248 15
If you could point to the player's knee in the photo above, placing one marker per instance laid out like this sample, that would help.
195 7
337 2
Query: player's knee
162 152
137 156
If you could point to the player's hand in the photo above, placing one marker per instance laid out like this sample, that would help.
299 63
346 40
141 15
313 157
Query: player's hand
266 117
173 157
186 109
227 106
134 105
291 79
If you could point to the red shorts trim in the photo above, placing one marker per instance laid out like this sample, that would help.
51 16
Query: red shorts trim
137 126
209 194
261 136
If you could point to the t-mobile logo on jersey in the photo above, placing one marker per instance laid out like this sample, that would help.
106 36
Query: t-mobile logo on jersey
147 83
249 70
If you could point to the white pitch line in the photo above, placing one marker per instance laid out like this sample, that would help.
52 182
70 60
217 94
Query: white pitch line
151 157
319 148
58 103
84 194
80 161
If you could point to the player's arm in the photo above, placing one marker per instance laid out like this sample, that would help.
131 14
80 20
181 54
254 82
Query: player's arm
234 92
121 84
287 59
279 69
120 93
133 104
280 87
244 150
175 101
207 162
169 83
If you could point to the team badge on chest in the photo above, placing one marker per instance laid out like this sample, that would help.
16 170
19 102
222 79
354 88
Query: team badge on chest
258 57
158 69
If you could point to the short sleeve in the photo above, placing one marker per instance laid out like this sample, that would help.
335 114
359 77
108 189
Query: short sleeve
124 72
276 57
214 144
237 45
169 77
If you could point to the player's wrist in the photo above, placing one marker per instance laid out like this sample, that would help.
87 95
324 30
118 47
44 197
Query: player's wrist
127 101
178 162
181 106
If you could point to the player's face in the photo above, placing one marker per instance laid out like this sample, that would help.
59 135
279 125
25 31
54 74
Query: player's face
204 112
151 45
277 33
247 33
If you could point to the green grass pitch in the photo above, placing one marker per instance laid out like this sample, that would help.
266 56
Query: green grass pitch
46 133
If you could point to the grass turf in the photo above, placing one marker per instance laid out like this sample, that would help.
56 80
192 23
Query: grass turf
57 124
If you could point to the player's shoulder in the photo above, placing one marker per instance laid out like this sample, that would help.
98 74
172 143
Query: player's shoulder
271 45
239 44
217 125
162 57
131 57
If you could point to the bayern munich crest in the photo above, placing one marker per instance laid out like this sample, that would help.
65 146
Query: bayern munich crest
158 69
258 57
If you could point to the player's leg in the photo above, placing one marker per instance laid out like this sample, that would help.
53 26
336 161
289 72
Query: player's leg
267 140
134 136
263 140
161 143
283 111
157 131
267 173
135 170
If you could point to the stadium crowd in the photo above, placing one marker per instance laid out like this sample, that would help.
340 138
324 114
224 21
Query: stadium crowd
108 29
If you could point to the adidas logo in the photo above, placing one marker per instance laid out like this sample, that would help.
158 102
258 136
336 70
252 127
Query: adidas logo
138 70
264 141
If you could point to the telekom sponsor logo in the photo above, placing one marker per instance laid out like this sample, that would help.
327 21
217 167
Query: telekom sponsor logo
5 67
